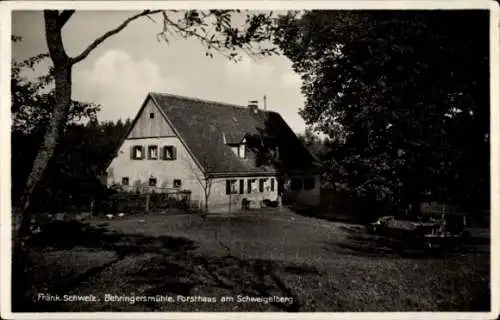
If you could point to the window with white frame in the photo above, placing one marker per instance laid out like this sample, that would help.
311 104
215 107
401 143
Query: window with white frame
231 186
250 185
153 152
262 185
137 153
169 153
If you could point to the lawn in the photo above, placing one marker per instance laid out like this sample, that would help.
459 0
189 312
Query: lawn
316 265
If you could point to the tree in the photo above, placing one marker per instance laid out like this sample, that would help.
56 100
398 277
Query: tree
410 91
213 28
206 184
201 175
32 100
32 103
313 142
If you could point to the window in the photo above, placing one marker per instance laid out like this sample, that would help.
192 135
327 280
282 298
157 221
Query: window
308 183
250 185
153 152
296 184
231 187
151 115
241 151
262 183
137 152
242 186
152 182
235 150
177 183
125 181
169 153
272 184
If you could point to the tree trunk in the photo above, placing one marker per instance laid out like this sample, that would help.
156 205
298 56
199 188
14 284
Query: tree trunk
206 204
147 202
62 77
51 138
207 189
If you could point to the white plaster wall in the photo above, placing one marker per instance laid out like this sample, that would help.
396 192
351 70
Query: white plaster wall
165 171
219 201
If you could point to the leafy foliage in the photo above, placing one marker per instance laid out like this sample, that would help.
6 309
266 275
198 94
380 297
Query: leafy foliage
73 177
315 144
410 92
218 31
84 149
32 98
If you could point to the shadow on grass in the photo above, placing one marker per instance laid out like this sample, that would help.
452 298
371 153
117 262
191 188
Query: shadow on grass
172 267
228 274
465 280
405 244
313 212
69 234
66 235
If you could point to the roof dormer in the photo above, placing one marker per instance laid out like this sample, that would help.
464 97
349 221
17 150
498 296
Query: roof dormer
236 142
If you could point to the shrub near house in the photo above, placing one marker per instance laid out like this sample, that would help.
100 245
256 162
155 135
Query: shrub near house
221 153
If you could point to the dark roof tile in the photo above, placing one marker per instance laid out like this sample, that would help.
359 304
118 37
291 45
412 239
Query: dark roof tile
204 124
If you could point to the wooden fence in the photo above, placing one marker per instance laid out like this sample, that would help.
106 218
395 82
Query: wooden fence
131 202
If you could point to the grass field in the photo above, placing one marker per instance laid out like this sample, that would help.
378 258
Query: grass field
318 265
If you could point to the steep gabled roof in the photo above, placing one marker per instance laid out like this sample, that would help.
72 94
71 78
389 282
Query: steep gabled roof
203 125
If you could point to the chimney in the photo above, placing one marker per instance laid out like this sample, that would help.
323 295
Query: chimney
253 105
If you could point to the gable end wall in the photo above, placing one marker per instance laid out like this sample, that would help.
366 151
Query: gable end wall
145 127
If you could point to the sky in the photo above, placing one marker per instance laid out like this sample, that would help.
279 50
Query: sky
122 70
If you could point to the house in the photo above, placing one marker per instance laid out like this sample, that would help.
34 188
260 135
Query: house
221 153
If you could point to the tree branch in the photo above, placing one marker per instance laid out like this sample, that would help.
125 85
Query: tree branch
188 32
210 43
110 33
64 17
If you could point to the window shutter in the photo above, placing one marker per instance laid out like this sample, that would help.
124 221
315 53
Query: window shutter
228 186
174 153
149 153
163 152
143 151
249 185
242 186
132 153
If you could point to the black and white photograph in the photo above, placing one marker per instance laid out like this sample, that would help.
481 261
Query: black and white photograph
254 158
